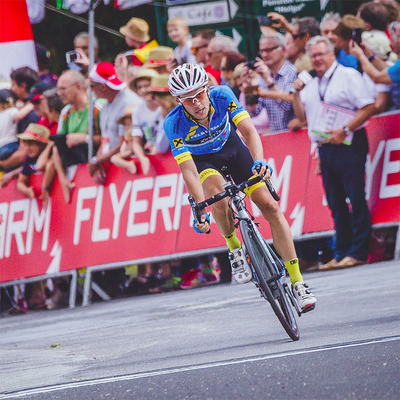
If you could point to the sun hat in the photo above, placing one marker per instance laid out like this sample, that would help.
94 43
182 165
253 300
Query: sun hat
143 73
126 115
104 72
136 29
35 133
159 56
159 83
37 91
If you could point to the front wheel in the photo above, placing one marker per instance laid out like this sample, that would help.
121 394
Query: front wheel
268 278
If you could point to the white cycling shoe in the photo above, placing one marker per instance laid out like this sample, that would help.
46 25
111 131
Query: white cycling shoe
240 268
305 299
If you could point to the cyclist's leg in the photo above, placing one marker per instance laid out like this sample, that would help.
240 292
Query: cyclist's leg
222 215
221 211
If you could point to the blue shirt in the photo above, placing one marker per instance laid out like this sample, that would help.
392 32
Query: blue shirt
188 137
394 72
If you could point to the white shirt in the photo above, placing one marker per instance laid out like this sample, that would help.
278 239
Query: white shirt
340 86
111 112
144 122
8 128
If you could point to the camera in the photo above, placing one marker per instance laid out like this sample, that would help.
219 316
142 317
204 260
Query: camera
250 64
265 21
72 56
356 35
251 100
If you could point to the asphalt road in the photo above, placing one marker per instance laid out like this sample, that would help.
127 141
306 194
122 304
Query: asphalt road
219 342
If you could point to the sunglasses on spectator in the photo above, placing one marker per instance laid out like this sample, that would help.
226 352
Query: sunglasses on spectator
299 35
199 96
196 49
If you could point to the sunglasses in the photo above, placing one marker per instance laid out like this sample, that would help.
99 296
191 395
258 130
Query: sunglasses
196 49
199 96
299 35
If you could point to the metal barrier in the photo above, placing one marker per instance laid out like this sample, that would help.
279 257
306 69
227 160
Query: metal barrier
72 288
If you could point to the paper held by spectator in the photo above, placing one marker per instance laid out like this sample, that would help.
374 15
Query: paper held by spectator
330 117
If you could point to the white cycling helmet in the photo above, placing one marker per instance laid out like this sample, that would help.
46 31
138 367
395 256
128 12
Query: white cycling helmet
185 78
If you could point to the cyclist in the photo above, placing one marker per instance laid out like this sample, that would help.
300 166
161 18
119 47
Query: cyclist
203 138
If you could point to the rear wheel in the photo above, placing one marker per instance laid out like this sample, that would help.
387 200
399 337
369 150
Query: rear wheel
267 278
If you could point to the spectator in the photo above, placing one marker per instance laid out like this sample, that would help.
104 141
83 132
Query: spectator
8 124
35 97
71 141
178 32
22 80
278 75
342 166
291 48
81 45
328 23
122 159
136 33
392 9
35 138
159 88
51 105
303 29
147 116
200 42
386 75
230 60
43 57
105 84
374 16
215 50
343 37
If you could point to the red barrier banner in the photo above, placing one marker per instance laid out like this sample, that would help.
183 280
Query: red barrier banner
133 217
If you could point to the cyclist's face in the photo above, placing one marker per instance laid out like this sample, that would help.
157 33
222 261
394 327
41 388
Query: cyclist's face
196 103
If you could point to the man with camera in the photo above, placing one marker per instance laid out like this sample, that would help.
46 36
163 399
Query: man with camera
277 74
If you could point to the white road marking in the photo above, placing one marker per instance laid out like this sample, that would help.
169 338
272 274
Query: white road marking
140 375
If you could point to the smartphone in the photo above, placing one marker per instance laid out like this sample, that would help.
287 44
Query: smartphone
72 56
356 35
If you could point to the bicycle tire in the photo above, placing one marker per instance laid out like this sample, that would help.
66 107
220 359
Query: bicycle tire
264 269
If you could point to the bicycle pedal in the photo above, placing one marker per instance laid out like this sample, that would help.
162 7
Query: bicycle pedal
308 308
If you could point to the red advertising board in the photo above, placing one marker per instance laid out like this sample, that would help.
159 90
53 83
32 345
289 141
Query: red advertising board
133 217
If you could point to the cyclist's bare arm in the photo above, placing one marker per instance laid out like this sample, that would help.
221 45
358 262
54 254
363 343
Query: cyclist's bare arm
194 187
253 141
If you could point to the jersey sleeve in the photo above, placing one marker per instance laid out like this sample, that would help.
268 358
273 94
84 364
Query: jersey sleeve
178 147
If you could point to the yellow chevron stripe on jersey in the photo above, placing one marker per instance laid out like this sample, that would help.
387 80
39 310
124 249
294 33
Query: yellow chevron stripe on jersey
192 131
180 158
240 117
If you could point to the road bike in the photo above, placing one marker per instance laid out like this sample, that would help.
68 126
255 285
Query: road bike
269 272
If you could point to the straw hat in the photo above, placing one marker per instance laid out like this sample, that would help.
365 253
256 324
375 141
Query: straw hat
136 29
143 73
127 115
159 56
35 133
160 83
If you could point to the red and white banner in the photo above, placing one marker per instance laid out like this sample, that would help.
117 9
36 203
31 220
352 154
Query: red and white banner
17 47
134 217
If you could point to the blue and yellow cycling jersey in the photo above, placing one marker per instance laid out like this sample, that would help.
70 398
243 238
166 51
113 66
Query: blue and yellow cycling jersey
188 137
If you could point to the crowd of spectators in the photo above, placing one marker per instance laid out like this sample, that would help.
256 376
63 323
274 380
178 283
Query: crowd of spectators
44 119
